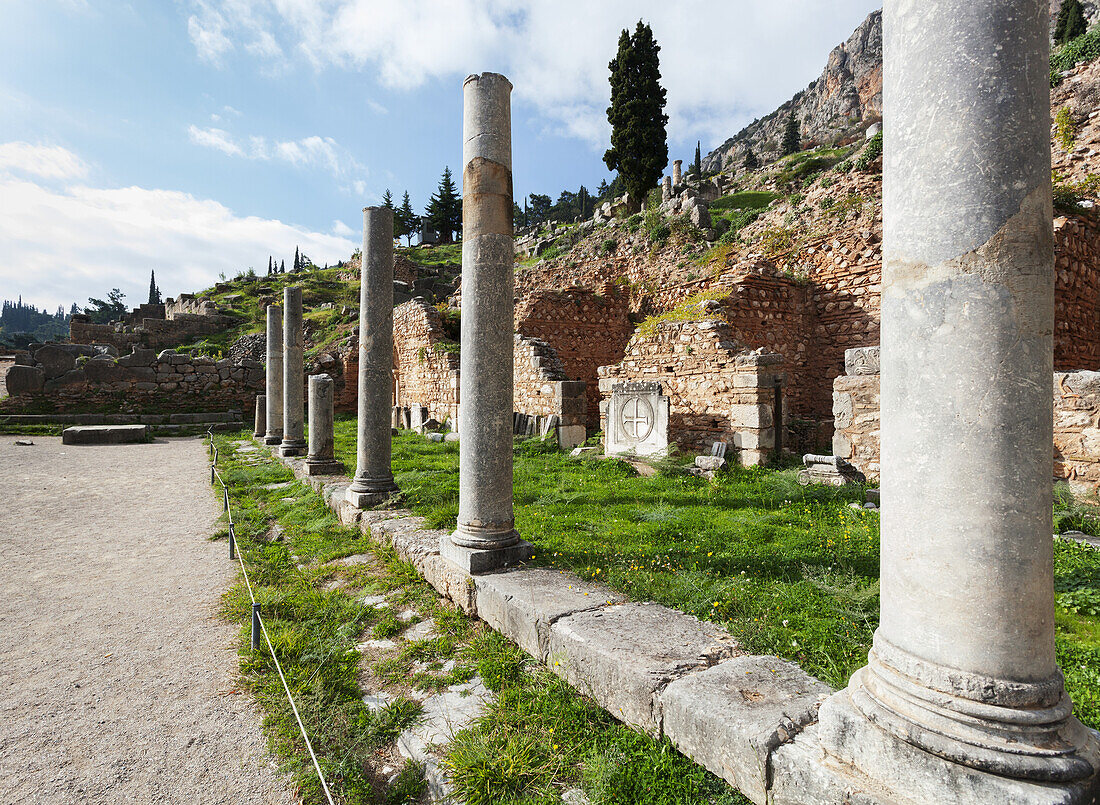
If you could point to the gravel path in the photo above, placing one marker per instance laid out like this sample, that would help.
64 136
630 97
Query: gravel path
116 677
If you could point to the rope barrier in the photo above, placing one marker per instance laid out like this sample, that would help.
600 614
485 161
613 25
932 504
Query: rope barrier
257 619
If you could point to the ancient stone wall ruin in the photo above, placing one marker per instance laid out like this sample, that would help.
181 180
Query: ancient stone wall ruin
66 378
425 361
718 390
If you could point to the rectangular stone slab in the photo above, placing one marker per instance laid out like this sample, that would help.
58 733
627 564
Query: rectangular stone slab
623 655
105 434
522 604
731 717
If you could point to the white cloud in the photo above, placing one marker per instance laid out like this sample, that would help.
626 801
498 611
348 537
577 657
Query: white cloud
64 246
46 162
722 62
309 152
377 108
340 229
207 32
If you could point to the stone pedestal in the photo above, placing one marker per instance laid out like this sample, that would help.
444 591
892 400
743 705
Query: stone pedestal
260 427
373 481
486 537
273 433
321 459
963 665
294 442
636 420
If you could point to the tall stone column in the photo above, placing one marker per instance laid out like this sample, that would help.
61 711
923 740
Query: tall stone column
666 188
486 537
294 443
273 434
961 700
260 428
373 481
321 458
677 172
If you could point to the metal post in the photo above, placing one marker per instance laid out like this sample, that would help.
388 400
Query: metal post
255 627
232 543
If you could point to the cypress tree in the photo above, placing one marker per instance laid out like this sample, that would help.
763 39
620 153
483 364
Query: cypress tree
1071 22
751 162
154 291
297 261
639 142
270 268
698 166
282 267
792 137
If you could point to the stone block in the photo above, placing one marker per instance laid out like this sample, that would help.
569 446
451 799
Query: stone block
105 434
449 580
522 604
105 371
22 379
637 419
624 655
861 361
711 463
570 436
475 561
750 416
54 360
731 717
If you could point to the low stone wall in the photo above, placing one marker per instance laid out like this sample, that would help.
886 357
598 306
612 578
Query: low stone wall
153 334
58 378
1076 421
425 361
718 390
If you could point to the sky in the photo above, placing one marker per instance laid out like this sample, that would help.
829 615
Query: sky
198 137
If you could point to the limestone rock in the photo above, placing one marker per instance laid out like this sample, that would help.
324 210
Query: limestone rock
24 380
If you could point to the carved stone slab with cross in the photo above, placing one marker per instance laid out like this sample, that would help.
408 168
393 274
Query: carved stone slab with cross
637 419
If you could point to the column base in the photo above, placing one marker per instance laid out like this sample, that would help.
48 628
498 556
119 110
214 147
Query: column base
258 434
481 560
293 447
894 771
273 439
366 493
324 467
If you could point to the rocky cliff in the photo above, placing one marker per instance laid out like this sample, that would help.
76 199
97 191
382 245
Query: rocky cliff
837 107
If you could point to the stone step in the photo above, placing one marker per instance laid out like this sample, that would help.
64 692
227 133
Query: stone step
105 434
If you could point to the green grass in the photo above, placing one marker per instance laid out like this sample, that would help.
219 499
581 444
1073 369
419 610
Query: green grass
444 254
745 200
789 570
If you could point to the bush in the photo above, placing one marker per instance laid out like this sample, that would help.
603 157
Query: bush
1065 129
608 246
1084 48
870 152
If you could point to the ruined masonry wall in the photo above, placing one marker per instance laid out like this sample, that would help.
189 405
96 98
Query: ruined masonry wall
425 361
717 390
587 330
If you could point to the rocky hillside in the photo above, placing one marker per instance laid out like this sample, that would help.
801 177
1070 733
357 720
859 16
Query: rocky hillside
835 108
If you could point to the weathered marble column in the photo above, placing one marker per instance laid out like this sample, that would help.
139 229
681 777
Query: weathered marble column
294 442
486 537
321 459
373 481
677 171
273 434
260 428
666 188
961 700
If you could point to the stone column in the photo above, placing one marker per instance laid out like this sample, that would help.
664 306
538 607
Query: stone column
677 172
294 443
961 700
486 537
273 434
666 188
260 428
373 477
321 459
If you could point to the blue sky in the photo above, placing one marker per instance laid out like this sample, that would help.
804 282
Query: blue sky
196 137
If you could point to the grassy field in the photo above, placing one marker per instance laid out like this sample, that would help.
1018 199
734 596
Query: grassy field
789 570
538 737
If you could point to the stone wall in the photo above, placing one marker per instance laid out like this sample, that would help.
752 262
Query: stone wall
64 377
586 329
1076 421
425 361
718 389
153 334
1076 293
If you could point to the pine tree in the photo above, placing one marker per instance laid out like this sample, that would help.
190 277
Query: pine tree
444 210
387 200
154 291
297 261
792 138
639 142
1071 22
697 168
405 220
601 191
751 162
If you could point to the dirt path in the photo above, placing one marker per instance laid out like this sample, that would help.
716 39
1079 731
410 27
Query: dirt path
116 678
